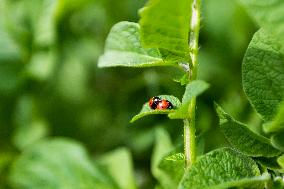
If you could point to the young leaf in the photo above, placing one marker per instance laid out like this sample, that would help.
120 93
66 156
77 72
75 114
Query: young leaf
263 74
123 48
165 24
116 161
268 14
277 124
277 141
242 138
223 168
146 110
57 163
193 89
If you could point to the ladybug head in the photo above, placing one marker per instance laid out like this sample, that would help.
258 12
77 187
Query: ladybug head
154 101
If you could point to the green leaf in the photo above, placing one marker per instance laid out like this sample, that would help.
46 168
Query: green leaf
268 14
193 89
277 124
270 163
277 141
165 25
116 161
223 168
173 170
45 23
277 183
280 161
146 110
263 74
41 65
9 49
242 138
123 48
56 163
163 146
30 126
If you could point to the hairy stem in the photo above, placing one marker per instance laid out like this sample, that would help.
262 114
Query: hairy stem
189 124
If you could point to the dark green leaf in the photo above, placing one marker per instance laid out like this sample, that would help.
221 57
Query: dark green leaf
242 138
146 110
277 141
57 164
193 89
165 25
270 163
223 168
123 48
263 74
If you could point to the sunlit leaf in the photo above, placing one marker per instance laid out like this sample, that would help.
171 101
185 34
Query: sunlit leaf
123 48
165 25
223 168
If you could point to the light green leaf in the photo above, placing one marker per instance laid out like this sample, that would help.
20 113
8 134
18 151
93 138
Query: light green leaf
123 48
41 65
277 124
242 138
165 25
30 126
146 110
116 161
9 49
173 170
280 161
263 74
277 141
45 23
163 146
56 163
268 14
193 89
223 168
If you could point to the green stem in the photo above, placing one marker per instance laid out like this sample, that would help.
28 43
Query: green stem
189 124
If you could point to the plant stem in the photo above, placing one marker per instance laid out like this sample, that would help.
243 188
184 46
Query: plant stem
189 124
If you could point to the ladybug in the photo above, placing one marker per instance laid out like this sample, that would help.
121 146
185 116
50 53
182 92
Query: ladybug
164 104
154 101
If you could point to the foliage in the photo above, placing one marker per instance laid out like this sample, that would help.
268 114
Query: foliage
64 123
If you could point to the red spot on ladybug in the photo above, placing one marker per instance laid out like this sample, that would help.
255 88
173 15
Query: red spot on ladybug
164 104
154 101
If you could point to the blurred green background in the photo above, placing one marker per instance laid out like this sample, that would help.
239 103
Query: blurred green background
50 85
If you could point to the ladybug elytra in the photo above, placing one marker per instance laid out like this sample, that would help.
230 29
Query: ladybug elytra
164 104
160 104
